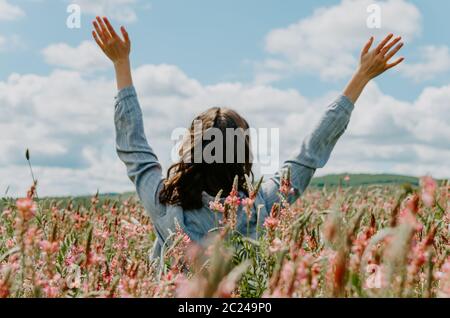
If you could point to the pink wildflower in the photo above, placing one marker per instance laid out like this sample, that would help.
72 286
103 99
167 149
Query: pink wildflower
271 223
443 276
27 208
428 190
233 199
276 245
375 278
408 214
406 217
10 243
49 247
216 206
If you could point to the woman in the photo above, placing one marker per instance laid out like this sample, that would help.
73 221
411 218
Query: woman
184 196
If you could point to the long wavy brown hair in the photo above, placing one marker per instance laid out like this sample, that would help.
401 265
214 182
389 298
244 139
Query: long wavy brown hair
190 177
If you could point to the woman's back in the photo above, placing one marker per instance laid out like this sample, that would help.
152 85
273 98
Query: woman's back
169 202
145 171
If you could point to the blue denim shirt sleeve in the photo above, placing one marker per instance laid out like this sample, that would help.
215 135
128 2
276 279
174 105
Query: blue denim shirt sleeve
145 171
314 152
132 147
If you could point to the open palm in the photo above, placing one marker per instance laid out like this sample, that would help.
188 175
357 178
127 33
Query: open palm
376 61
116 48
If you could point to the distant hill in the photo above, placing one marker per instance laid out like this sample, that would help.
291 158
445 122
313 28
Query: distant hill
362 179
318 182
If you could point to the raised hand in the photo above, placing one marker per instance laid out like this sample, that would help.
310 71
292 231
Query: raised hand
372 64
376 62
116 48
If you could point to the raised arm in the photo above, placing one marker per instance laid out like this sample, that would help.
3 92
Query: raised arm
318 145
116 49
131 144
373 63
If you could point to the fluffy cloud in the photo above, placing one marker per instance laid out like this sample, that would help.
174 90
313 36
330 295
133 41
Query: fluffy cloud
121 10
11 43
387 134
66 120
435 61
325 42
85 57
53 115
10 12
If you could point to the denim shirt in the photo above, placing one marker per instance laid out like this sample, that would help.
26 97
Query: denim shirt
145 171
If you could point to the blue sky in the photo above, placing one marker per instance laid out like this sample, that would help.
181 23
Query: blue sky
209 45
209 40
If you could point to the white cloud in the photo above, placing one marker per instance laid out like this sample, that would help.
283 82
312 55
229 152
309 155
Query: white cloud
67 122
54 116
11 43
85 57
402 127
10 12
121 10
325 42
435 61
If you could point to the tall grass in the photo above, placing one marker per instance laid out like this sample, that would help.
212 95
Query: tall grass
375 241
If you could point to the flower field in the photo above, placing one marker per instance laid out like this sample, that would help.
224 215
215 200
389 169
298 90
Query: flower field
374 241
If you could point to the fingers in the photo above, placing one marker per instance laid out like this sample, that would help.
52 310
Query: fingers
390 45
394 51
97 39
383 43
367 46
125 35
99 32
104 29
110 28
397 62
